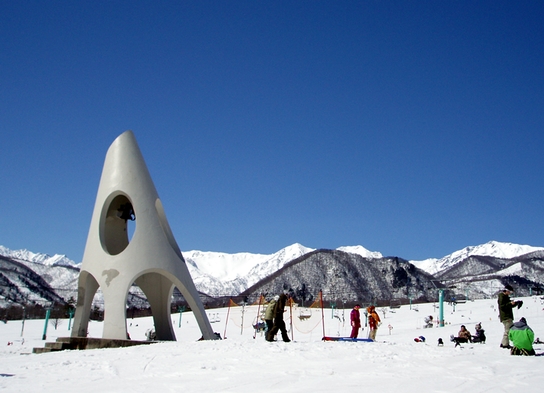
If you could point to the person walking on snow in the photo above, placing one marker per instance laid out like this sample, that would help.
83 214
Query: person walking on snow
279 323
373 322
269 313
355 318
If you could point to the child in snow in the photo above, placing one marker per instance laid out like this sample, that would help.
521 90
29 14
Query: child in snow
463 336
373 322
428 322
522 337
479 337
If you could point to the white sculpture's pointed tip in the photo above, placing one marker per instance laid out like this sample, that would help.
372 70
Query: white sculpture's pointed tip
124 152
125 137
127 133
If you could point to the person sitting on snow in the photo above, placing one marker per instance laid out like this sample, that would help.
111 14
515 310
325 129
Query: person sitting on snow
463 336
479 337
522 337
428 322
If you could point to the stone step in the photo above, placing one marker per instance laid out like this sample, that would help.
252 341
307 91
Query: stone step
41 350
56 346
64 343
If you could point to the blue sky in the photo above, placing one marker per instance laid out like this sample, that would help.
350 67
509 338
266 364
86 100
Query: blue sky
411 128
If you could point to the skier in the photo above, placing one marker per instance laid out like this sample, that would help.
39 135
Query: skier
355 318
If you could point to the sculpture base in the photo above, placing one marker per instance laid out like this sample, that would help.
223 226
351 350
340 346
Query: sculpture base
64 343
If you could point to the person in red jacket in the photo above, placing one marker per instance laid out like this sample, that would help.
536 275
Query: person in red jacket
355 318
373 322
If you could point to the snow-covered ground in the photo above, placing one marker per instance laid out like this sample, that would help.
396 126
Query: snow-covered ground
240 363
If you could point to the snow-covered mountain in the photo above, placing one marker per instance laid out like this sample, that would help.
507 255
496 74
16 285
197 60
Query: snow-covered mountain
360 250
492 249
23 281
45 259
220 274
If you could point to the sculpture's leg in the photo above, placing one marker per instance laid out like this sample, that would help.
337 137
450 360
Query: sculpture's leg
115 302
193 299
158 290
87 287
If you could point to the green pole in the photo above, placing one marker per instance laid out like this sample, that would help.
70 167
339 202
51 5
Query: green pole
23 327
441 303
47 313
180 309
70 314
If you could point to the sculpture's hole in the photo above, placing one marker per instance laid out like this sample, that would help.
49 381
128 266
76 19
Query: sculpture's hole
118 225
131 228
138 307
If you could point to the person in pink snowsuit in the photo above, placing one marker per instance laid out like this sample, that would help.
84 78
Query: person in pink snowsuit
355 318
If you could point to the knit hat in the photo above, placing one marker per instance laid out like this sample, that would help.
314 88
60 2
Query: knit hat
508 287
522 319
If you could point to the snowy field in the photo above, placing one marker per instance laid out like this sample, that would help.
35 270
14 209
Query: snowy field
241 363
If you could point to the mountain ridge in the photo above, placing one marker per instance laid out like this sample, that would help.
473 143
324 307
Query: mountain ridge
219 275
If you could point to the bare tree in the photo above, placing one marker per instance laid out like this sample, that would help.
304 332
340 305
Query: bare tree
56 322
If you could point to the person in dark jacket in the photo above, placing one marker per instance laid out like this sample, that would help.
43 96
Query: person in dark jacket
279 323
479 337
522 337
355 318
506 315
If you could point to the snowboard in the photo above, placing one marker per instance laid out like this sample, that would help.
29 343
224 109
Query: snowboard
326 338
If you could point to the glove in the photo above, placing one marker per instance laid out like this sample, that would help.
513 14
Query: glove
519 303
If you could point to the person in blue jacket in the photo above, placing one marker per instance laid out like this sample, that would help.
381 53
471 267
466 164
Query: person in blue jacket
522 336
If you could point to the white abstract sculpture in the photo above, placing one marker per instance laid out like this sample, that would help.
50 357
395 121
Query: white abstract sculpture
151 259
